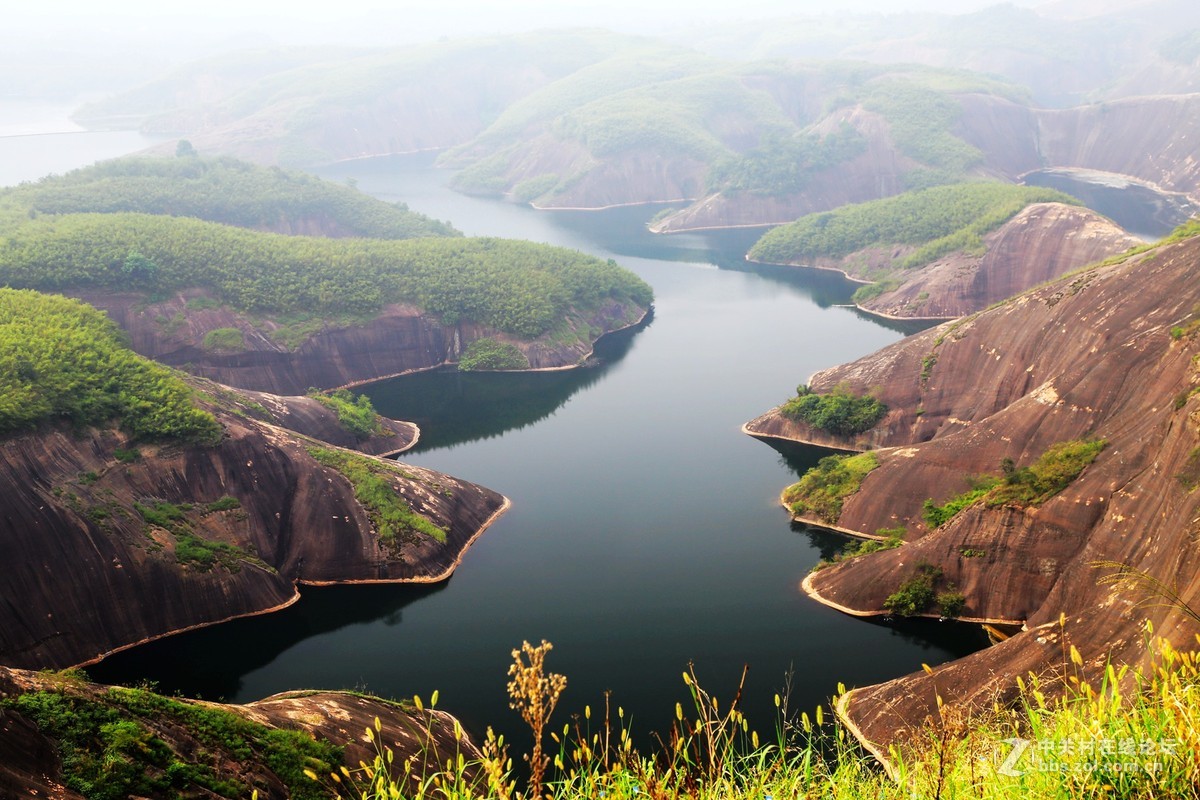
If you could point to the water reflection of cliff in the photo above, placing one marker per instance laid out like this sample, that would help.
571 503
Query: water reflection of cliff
210 662
453 407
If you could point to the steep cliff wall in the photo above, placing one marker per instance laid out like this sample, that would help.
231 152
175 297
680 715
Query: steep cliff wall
108 545
1040 243
1106 354
1154 138
337 353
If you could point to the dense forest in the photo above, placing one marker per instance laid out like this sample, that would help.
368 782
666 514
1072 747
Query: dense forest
61 359
223 190
518 287
935 221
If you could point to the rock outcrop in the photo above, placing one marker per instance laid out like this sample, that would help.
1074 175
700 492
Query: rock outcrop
1112 354
30 763
398 340
1040 243
108 544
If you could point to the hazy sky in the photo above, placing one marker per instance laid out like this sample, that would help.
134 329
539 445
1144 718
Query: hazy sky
344 20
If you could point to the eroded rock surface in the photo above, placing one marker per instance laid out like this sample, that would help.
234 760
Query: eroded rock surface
107 544
1106 354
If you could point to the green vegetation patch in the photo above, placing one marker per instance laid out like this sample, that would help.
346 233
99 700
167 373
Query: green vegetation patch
110 750
61 359
228 339
223 190
920 119
938 515
519 287
840 412
391 515
784 164
1190 476
936 221
916 594
489 354
226 503
190 549
1025 487
821 491
354 413
893 538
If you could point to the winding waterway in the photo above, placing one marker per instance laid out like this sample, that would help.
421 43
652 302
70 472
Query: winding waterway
645 531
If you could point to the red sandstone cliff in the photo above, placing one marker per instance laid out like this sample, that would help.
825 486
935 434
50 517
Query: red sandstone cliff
397 340
88 571
1040 243
1091 355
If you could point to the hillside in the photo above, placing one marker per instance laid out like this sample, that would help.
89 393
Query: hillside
753 134
302 109
589 119
1042 242
283 313
185 503
223 190
64 737
950 250
968 461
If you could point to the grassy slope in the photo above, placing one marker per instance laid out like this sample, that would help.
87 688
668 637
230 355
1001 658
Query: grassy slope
935 222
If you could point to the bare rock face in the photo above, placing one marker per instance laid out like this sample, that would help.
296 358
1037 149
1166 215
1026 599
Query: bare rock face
398 340
107 546
1043 241
1153 138
1105 354
30 764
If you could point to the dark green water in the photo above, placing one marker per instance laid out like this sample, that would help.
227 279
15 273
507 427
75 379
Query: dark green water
1137 208
645 531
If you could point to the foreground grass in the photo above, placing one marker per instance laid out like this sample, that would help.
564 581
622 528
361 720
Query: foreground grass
1120 733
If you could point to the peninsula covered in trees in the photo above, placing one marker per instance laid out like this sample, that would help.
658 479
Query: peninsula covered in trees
226 190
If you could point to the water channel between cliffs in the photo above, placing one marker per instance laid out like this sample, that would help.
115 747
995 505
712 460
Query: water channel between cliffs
645 530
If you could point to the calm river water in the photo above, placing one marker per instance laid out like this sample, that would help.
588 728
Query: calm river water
645 531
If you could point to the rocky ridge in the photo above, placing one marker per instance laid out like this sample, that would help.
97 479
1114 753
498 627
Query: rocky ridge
176 536
1110 353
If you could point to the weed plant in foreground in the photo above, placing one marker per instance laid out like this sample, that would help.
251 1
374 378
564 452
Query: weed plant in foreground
1122 733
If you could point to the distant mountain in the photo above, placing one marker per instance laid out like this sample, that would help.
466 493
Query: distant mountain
590 119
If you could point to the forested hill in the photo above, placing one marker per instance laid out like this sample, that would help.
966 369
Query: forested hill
61 359
518 287
933 221
223 190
